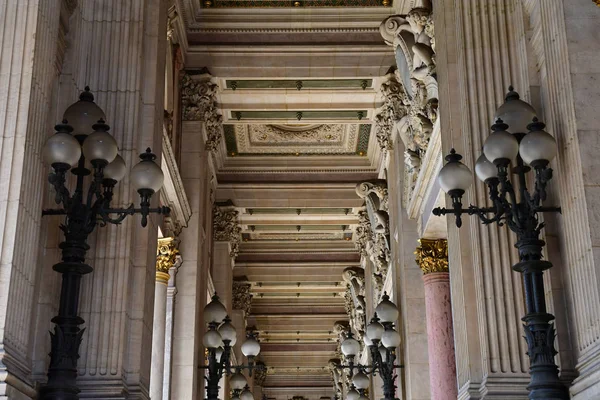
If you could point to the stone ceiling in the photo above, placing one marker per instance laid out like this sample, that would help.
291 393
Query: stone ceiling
297 90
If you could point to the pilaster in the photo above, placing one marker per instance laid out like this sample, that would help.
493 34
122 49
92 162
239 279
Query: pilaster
29 65
478 55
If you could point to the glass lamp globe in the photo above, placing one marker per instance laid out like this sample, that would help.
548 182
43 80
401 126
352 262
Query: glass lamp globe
538 145
116 170
219 354
350 347
237 381
390 339
500 144
484 169
146 174
235 398
454 175
363 397
246 395
215 311
83 114
212 339
516 113
227 332
251 347
375 330
367 341
360 380
100 145
352 394
383 353
386 310
62 148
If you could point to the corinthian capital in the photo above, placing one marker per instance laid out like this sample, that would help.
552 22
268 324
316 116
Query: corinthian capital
226 227
199 101
432 255
166 257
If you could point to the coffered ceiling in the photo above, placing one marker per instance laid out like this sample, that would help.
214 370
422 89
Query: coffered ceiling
297 90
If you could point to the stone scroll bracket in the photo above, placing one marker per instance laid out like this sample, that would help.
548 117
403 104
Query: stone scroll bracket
410 92
226 226
241 296
199 103
373 231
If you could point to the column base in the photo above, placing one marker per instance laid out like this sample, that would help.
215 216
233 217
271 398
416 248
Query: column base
496 387
14 382
587 385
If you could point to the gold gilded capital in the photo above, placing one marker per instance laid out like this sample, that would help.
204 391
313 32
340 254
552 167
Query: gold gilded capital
166 255
432 255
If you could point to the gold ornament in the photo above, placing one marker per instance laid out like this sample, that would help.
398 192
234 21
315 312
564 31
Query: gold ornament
432 255
166 256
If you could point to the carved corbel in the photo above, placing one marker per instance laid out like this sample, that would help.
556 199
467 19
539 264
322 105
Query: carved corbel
241 296
354 277
199 102
226 227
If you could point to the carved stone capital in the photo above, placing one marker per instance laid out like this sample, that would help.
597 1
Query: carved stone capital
260 374
226 227
166 257
432 255
199 102
241 297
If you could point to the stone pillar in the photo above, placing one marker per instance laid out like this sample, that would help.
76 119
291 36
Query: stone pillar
478 56
165 260
432 257
30 62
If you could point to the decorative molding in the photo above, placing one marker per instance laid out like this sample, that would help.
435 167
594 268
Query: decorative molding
432 255
362 233
199 102
166 257
226 227
241 296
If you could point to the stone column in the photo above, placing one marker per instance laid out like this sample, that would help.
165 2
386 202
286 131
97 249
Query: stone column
30 62
169 325
166 257
432 257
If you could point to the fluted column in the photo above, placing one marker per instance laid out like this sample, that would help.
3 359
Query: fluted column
30 62
432 257
480 51
166 257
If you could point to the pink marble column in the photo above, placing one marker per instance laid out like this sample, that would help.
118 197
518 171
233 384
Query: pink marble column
440 338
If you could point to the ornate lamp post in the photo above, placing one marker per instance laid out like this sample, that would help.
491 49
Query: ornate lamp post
511 150
82 136
219 339
382 340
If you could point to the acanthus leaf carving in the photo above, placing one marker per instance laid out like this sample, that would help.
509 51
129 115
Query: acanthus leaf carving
199 102
354 277
226 227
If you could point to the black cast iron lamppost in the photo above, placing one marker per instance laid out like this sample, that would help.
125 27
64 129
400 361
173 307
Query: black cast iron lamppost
382 340
219 339
511 150
86 138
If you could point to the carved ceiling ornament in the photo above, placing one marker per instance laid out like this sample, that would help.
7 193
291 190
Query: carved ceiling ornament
241 296
166 257
413 39
375 193
199 102
432 255
356 307
226 227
